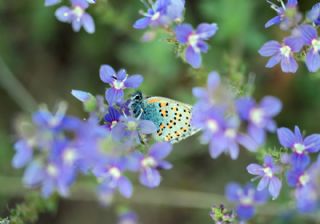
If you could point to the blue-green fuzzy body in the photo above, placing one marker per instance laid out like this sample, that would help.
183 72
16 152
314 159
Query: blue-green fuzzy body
172 118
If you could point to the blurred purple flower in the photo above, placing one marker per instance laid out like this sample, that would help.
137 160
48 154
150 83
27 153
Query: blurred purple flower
57 174
161 13
130 130
110 173
297 177
308 194
112 118
246 199
24 153
195 40
300 146
77 16
310 37
118 82
314 14
51 2
222 135
128 217
282 53
259 115
267 172
288 15
149 164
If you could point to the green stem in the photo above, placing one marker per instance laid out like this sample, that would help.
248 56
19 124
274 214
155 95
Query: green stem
15 89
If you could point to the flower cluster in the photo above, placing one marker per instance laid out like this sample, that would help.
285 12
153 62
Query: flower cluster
107 145
302 42
246 198
165 13
300 175
219 113
76 15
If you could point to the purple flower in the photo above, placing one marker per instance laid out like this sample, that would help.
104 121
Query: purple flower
267 172
24 153
130 130
161 13
128 217
222 135
110 173
308 194
56 174
77 16
112 117
282 53
195 40
214 94
288 15
118 82
51 2
149 164
314 14
297 177
300 146
259 115
310 37
246 199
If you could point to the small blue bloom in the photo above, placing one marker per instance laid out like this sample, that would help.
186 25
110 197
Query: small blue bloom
267 172
129 130
161 13
51 2
314 14
112 118
297 176
195 40
246 199
308 194
300 146
288 15
128 217
310 37
149 164
77 16
118 82
259 116
110 173
282 53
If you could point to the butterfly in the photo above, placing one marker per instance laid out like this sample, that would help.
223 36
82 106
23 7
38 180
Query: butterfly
171 117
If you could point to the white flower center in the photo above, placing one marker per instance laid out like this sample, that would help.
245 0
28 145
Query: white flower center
114 123
231 133
316 45
256 116
148 162
78 11
304 179
69 156
212 125
52 170
132 125
193 40
268 172
299 148
115 172
285 51
247 199
118 84
155 16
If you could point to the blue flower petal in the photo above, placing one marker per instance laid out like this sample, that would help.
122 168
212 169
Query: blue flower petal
312 143
270 48
286 137
160 150
313 60
133 81
88 23
182 32
107 73
125 187
193 57
273 21
142 23
275 187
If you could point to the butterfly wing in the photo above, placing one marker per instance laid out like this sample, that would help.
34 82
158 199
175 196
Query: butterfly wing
171 117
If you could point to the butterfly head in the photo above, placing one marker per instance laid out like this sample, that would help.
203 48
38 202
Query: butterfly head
136 103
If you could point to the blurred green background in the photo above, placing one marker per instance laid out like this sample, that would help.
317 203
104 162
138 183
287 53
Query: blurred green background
48 59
